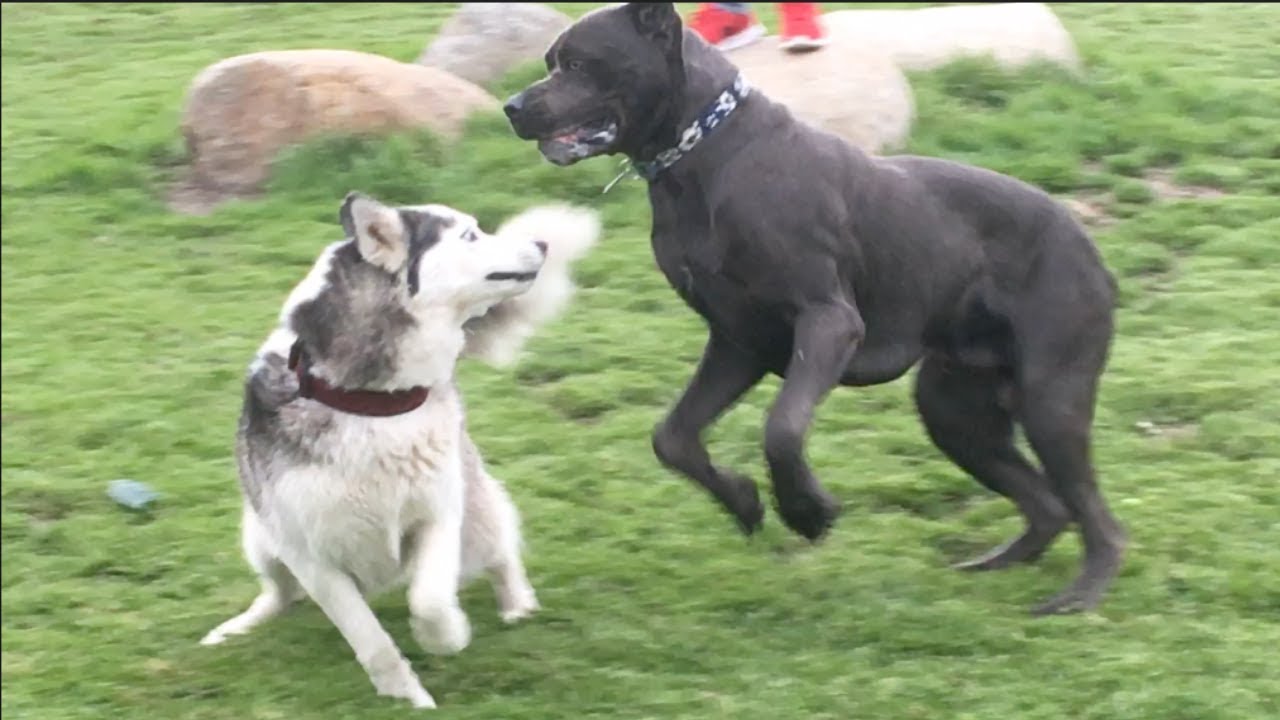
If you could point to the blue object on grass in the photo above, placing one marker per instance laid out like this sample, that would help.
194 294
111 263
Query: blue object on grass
131 494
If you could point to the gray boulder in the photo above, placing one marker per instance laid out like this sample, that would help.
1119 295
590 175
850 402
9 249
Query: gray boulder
481 42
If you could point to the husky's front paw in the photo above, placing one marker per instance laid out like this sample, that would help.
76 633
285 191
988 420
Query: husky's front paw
421 699
518 605
393 677
519 612
214 637
443 632
417 695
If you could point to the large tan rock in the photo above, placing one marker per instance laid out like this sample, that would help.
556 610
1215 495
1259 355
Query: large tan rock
242 111
481 42
1013 34
846 89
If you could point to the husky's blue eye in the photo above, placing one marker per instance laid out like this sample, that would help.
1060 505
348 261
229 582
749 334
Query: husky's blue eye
471 236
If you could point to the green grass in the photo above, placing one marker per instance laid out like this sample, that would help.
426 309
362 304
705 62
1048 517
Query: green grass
126 329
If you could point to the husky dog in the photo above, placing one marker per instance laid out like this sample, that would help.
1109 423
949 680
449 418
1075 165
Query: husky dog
357 471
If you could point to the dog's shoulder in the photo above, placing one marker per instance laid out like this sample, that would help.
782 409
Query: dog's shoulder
276 431
269 384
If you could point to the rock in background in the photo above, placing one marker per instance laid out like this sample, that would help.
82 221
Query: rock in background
857 94
482 42
240 112
1013 34
856 87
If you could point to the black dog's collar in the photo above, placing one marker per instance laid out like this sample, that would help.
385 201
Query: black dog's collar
711 118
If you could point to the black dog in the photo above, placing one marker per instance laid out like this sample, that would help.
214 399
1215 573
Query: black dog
814 261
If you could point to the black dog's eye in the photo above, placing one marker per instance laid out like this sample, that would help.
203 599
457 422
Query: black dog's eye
575 65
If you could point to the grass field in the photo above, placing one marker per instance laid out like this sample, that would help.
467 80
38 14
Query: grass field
126 330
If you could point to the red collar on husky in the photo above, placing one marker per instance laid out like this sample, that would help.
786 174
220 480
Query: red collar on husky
370 403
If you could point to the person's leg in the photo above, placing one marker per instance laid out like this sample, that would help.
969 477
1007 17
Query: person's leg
802 29
726 26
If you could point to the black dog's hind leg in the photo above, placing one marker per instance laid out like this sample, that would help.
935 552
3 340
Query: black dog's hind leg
961 411
826 338
1066 326
724 375
1056 412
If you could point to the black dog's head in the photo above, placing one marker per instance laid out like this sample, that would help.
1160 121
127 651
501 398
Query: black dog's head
613 77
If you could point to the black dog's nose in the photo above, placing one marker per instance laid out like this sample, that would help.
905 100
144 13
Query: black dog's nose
514 105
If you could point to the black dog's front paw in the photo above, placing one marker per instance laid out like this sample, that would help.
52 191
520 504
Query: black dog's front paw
743 501
809 512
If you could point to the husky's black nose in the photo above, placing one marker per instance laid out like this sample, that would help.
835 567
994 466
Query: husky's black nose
514 105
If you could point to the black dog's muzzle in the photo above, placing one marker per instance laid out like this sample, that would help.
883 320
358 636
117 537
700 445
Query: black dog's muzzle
514 110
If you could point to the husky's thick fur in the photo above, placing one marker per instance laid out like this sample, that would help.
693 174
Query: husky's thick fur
342 505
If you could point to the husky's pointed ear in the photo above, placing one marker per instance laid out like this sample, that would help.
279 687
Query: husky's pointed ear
657 21
379 232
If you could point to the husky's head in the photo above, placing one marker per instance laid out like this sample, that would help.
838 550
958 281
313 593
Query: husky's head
385 308
445 263
412 288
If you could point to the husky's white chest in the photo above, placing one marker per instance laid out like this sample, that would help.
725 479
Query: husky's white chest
379 483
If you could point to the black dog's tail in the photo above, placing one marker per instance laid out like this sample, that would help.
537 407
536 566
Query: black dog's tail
982 335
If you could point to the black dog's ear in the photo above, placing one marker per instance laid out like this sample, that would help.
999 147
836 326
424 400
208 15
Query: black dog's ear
658 21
